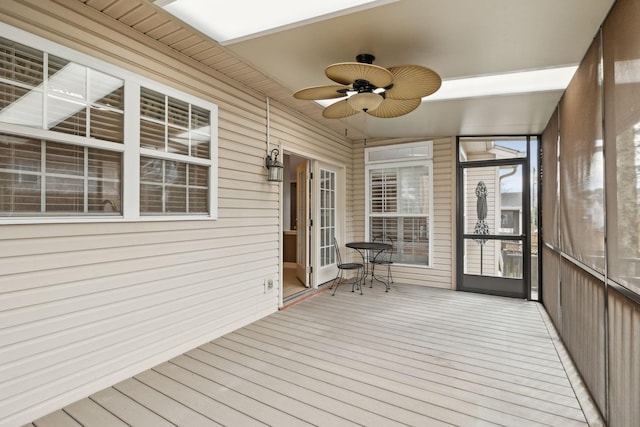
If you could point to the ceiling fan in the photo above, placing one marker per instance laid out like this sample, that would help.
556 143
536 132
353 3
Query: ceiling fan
379 92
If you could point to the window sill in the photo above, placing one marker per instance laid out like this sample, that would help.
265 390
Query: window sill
102 219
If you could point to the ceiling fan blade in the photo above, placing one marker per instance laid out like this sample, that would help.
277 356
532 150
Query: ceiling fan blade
339 110
321 92
394 108
413 81
348 72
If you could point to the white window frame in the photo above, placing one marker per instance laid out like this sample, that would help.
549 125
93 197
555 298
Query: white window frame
130 178
401 161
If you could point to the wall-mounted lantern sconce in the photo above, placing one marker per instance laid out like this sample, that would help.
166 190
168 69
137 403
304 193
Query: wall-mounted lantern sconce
274 166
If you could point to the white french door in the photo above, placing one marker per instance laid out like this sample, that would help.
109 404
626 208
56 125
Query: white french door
303 208
326 221
319 206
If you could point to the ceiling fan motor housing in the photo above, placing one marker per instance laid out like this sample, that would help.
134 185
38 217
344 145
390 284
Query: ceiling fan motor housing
361 85
365 58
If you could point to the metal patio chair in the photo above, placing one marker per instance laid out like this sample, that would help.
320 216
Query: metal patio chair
383 259
354 266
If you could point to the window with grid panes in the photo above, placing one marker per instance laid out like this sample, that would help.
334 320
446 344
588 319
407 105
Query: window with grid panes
399 199
46 173
174 136
63 140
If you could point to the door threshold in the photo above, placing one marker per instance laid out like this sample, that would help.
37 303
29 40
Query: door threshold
301 296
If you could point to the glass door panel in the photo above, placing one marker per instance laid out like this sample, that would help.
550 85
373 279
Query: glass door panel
326 216
496 258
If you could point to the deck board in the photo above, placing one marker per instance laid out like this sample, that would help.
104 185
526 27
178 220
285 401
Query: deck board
194 399
413 356
130 411
56 419
87 411
269 390
444 380
393 373
162 405
178 369
361 407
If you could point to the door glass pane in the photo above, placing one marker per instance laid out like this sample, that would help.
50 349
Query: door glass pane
497 258
510 203
493 200
476 149
327 216
493 207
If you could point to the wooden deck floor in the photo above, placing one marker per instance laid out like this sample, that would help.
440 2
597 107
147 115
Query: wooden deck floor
414 356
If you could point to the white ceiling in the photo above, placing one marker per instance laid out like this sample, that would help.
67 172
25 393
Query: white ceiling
456 38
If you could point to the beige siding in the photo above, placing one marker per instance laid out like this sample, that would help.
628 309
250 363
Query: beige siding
440 274
83 306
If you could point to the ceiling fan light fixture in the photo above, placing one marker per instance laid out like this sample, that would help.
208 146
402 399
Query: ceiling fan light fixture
365 101
379 92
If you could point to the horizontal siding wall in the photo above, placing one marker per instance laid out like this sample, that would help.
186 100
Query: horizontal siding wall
357 184
83 306
440 275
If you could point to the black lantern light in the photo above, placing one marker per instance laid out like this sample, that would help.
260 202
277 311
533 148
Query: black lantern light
274 166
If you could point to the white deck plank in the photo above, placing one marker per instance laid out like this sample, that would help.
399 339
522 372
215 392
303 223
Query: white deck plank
391 372
437 342
271 391
87 411
501 367
128 409
56 419
399 379
460 365
405 339
195 400
490 345
412 331
162 405
369 408
413 356
227 396
466 323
